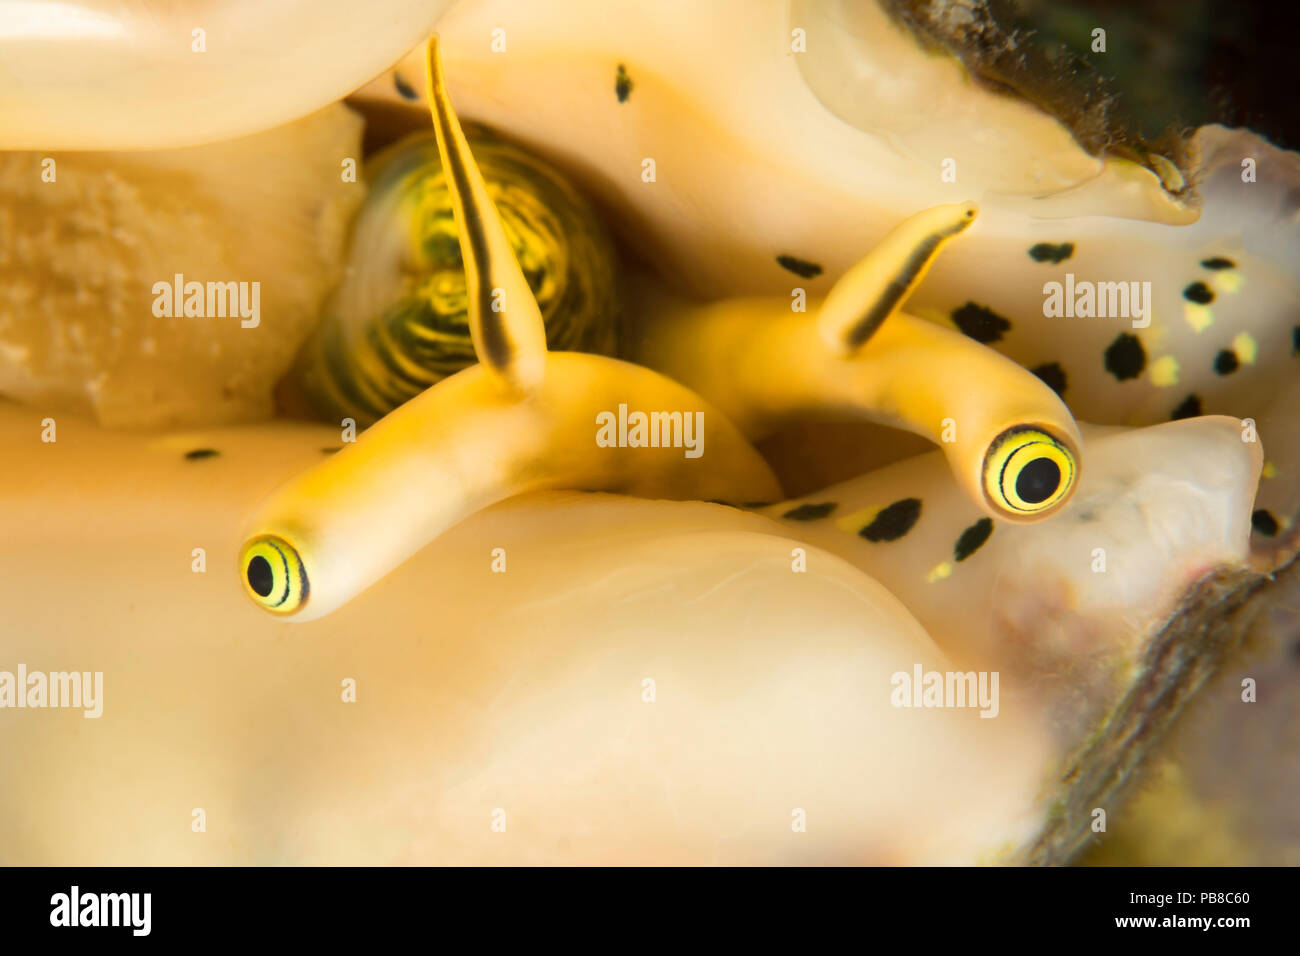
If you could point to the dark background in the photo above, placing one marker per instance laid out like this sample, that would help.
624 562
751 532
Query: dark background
1185 62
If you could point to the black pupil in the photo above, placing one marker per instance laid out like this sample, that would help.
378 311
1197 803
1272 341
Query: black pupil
1038 480
260 577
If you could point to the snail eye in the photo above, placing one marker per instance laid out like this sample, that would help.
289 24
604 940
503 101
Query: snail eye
1028 472
273 574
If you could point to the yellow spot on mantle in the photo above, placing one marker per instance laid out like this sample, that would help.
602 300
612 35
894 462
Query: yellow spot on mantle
857 520
1227 281
940 571
1244 344
1199 317
1164 371
1269 470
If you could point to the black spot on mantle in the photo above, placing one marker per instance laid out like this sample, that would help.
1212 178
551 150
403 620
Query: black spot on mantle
1199 292
1052 374
972 539
800 267
1125 358
980 323
198 454
1218 262
404 89
622 84
1048 252
810 512
893 521
1226 362
1189 407
1262 520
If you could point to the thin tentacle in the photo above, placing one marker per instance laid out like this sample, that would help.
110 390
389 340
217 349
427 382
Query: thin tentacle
874 289
504 320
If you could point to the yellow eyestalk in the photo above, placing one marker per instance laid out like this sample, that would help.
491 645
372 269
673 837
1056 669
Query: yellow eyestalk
864 358
1028 471
273 574
524 419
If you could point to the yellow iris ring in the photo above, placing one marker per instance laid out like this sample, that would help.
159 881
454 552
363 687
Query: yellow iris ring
1005 464
288 588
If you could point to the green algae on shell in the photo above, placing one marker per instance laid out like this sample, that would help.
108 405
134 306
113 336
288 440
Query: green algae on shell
398 324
